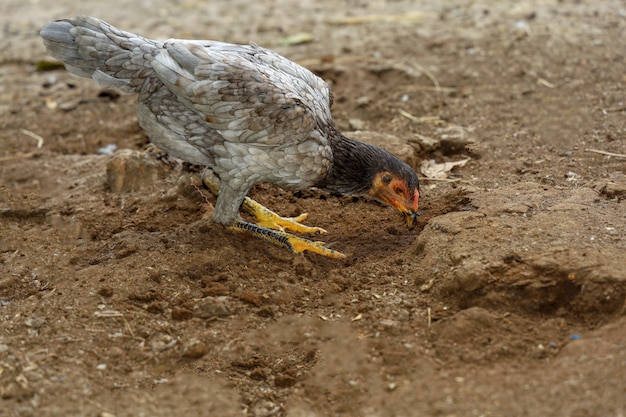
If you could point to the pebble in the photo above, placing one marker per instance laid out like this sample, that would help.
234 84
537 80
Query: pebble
356 124
211 307
403 315
105 291
35 322
363 101
50 81
181 314
613 189
162 342
471 275
195 349
107 150
7 282
389 323
425 143
284 380
454 140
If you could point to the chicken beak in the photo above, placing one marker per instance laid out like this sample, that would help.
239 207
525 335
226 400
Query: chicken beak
410 218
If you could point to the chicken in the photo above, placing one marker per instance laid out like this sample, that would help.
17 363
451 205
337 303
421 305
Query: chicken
246 113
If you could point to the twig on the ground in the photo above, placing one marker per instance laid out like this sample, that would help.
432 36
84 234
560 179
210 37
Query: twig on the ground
546 83
614 109
16 157
601 152
423 119
35 136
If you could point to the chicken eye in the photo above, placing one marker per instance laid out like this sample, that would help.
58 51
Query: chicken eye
399 191
386 178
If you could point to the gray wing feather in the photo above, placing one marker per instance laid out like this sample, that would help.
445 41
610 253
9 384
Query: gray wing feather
92 48
246 98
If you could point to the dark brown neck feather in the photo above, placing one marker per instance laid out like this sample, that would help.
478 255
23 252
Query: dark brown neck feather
356 164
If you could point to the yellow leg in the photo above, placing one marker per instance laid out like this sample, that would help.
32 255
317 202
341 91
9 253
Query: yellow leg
267 218
293 243
272 227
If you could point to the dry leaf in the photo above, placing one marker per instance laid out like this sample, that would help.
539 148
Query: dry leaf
431 169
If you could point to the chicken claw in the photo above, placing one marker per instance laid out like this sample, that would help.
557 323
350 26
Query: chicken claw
293 243
267 218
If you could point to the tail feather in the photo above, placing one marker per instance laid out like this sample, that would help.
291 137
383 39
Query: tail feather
92 48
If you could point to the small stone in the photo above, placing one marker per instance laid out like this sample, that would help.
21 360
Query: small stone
107 150
105 291
214 289
69 105
195 349
363 101
471 275
284 380
259 374
251 297
181 314
425 143
211 307
613 189
454 140
35 322
356 124
7 282
155 307
428 285
15 391
115 352
403 315
389 323
162 342
266 311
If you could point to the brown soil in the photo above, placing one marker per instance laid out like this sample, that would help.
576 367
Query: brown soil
506 300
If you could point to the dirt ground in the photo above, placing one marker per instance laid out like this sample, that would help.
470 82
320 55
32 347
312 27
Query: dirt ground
119 297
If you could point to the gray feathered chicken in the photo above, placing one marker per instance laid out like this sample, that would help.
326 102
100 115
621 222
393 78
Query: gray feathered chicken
245 112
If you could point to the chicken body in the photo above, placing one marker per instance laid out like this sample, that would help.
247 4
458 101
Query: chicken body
247 113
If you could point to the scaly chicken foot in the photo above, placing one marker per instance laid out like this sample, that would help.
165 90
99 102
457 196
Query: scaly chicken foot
264 216
273 227
293 243
267 218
